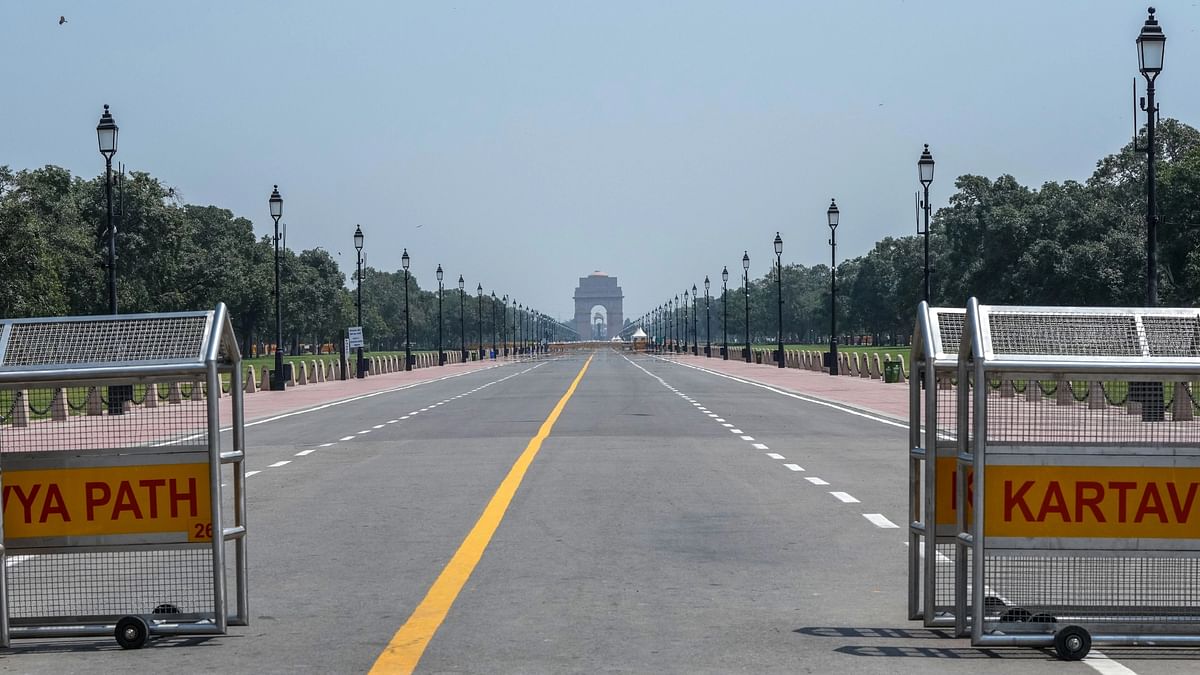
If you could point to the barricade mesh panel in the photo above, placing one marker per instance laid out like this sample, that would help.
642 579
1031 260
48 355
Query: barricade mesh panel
178 416
944 588
1047 334
99 341
950 327
1172 335
66 585
1095 589
1090 412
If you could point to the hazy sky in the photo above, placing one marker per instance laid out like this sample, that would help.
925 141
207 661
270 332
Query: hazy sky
525 144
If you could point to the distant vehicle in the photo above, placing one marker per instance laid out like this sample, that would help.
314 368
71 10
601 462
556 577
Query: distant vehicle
616 338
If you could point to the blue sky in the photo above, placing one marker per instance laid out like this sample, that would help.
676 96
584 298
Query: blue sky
525 144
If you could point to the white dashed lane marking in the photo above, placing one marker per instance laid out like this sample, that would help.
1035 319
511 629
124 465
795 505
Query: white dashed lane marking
760 446
816 481
775 455
305 453
845 497
880 521
793 467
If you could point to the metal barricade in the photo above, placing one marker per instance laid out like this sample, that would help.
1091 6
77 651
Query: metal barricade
931 424
115 517
1082 515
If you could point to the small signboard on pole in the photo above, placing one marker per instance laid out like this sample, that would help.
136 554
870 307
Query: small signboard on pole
356 336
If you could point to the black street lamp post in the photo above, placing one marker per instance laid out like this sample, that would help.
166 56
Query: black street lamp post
671 323
462 321
106 137
707 321
779 285
512 336
695 324
675 318
832 214
277 381
441 324
686 302
494 327
360 367
479 318
925 171
746 290
725 312
504 324
408 358
1151 43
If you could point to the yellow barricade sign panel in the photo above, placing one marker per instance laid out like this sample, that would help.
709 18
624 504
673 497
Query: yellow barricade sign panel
1113 502
170 500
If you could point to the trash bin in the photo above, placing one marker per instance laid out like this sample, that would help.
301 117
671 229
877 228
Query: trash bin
891 371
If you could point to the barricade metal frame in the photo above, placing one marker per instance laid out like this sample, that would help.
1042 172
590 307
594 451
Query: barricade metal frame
1072 575
122 351
934 359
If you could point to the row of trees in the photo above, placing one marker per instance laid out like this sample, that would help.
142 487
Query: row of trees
1067 243
174 257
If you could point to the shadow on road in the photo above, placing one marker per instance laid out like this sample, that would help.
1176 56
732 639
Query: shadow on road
961 649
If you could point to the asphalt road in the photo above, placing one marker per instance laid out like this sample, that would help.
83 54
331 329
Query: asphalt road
672 521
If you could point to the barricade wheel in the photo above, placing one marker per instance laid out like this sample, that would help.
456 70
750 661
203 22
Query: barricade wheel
1072 643
132 632
1016 614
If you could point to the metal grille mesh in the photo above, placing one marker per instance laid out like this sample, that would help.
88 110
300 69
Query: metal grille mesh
1080 412
115 341
1172 335
1094 589
950 328
1064 334
944 576
66 585
77 418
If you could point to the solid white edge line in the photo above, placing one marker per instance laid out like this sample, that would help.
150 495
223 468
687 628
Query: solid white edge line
800 397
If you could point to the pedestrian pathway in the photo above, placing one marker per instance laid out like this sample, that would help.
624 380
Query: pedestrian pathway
888 400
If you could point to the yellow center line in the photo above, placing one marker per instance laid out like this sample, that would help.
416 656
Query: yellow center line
408 644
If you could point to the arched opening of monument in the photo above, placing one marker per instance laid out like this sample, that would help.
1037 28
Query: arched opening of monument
599 322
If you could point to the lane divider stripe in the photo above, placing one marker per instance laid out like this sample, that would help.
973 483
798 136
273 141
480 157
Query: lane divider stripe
408 644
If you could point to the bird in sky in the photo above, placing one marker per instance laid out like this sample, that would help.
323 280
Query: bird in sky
62 20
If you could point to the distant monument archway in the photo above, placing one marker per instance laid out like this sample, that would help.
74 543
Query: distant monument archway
598 290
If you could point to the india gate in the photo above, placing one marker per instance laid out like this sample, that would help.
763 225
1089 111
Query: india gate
598 313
